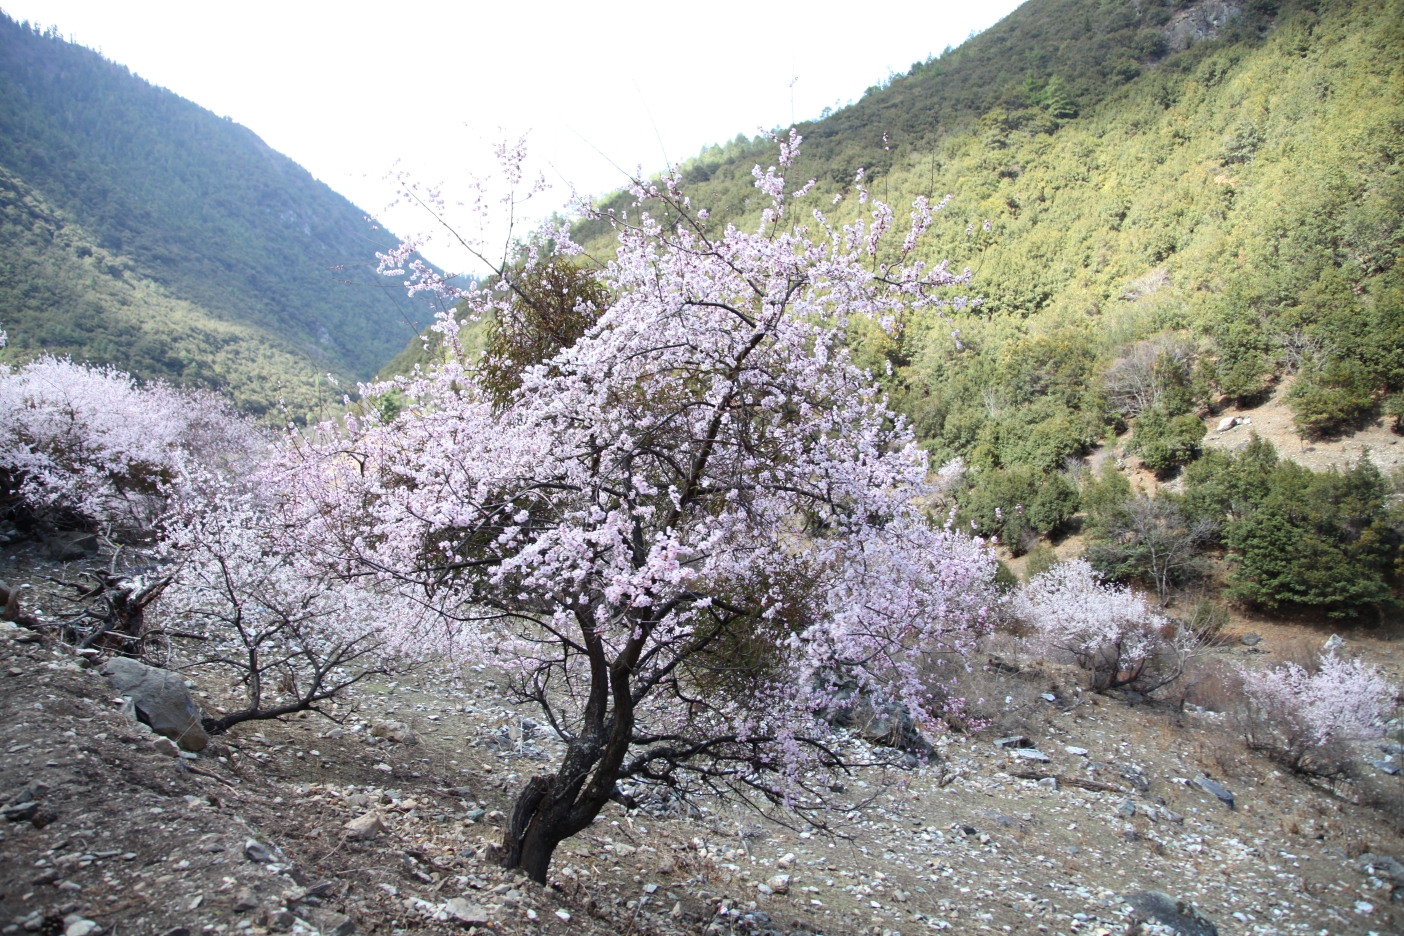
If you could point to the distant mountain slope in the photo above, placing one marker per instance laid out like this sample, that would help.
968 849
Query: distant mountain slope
1125 170
195 204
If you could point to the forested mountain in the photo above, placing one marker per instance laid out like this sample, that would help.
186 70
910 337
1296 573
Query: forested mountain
1166 207
144 231
1124 171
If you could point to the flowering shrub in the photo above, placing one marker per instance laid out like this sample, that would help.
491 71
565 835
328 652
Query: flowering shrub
1302 719
1108 629
681 531
294 633
92 443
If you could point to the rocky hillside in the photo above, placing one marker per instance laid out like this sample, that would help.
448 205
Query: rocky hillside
1072 813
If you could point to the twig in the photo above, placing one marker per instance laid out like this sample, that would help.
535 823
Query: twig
200 771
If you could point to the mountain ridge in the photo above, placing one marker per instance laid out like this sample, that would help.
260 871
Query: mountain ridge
196 204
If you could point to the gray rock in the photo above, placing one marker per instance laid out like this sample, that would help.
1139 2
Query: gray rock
82 928
1014 741
1214 789
1250 639
1127 808
1030 754
1050 783
244 901
330 923
1227 423
396 731
1386 766
161 701
1153 906
1076 751
469 914
256 852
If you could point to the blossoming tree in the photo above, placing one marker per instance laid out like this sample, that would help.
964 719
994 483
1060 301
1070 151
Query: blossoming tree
1108 629
1302 719
682 530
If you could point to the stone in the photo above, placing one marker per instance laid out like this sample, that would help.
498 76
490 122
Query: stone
1250 639
256 852
1076 751
177 931
336 734
469 914
244 901
475 815
164 745
1154 906
1214 789
1127 808
1049 697
1030 754
161 700
396 731
280 920
1386 766
82 928
20 812
364 827
1049 783
780 883
1332 644
331 923
1227 423
70 546
1384 867
1014 741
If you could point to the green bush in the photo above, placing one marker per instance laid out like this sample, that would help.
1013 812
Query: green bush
1223 486
1054 504
1041 559
1016 504
1166 442
1321 541
1331 399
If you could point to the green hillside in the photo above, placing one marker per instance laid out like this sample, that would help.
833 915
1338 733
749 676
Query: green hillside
1123 171
144 231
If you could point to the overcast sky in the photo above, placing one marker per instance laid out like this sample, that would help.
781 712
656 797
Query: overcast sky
348 89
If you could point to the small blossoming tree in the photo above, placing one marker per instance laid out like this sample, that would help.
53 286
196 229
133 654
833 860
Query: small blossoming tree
680 532
1302 719
1108 629
93 445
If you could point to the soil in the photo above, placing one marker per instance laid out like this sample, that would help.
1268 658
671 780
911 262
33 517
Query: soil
136 841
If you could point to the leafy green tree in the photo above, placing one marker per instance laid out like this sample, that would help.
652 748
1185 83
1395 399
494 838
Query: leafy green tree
1164 442
1321 541
1328 400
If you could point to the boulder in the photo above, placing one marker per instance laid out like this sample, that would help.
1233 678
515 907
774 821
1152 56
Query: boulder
395 731
1227 423
780 883
469 914
1215 789
1154 906
365 827
876 720
160 700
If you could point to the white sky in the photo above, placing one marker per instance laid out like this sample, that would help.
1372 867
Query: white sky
347 89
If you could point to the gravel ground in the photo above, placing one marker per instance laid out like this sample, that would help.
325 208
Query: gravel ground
251 835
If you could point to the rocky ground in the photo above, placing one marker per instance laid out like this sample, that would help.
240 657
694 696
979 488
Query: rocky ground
385 823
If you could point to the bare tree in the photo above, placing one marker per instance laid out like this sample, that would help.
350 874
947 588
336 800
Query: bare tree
1138 380
1151 539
